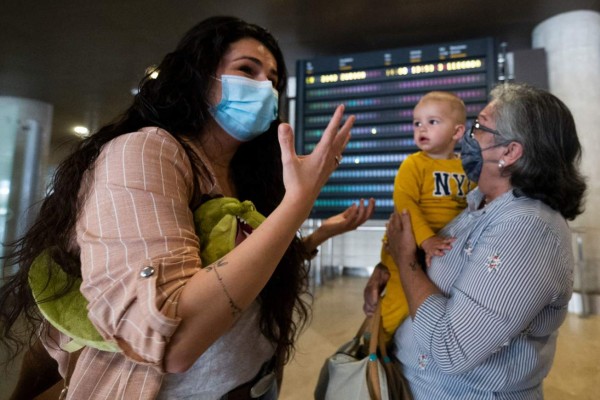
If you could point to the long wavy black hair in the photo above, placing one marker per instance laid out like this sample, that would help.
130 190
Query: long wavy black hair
176 101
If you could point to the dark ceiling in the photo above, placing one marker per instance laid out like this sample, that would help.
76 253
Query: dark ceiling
84 57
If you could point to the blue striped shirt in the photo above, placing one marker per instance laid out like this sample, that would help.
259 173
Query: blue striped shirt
506 284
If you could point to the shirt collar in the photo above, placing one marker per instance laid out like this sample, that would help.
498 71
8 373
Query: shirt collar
475 197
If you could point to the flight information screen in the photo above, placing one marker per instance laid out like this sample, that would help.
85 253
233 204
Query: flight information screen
381 88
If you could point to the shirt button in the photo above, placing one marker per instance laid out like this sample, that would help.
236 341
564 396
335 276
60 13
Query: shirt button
147 272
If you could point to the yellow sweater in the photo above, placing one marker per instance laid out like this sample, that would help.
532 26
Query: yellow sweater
434 192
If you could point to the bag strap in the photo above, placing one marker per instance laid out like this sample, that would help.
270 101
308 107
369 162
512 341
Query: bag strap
373 365
362 328
383 346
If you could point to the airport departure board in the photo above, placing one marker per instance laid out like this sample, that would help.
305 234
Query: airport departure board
381 88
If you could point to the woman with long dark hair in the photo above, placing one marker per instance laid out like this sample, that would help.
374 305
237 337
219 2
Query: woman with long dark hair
120 218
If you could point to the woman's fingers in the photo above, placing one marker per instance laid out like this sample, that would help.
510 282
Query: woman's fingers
365 210
343 134
405 220
304 176
286 142
373 289
371 296
334 123
370 208
335 138
401 240
394 225
349 213
400 223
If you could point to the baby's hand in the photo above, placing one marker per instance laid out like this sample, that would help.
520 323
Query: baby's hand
436 246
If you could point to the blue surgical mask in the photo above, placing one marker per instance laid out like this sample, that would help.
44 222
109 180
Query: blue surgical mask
247 107
472 158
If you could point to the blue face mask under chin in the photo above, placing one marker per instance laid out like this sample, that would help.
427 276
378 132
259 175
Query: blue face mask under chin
247 107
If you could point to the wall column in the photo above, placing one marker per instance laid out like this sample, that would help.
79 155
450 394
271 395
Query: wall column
572 44
25 127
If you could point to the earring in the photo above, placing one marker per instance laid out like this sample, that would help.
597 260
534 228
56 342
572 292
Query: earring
501 164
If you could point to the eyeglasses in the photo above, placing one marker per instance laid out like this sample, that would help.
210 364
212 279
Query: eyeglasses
476 125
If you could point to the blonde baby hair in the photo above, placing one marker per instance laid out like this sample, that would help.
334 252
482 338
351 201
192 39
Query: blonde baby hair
457 106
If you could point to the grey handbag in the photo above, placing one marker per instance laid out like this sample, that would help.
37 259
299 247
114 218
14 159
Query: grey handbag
361 369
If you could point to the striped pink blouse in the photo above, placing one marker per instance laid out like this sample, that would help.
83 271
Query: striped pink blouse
138 248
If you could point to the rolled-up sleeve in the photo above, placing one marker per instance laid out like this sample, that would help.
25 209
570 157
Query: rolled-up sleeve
137 241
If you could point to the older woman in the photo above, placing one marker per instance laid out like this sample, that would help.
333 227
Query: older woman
485 316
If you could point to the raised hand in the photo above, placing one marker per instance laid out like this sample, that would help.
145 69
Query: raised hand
304 176
374 287
349 219
400 239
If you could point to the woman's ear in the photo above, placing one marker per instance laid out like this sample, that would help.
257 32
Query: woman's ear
459 131
514 151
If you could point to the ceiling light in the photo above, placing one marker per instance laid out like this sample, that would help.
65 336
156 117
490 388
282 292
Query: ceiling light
152 71
81 131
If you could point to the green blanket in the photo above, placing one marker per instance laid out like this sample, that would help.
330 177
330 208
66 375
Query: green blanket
216 223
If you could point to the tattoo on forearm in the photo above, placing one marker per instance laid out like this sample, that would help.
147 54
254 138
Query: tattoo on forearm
414 266
235 310
221 262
